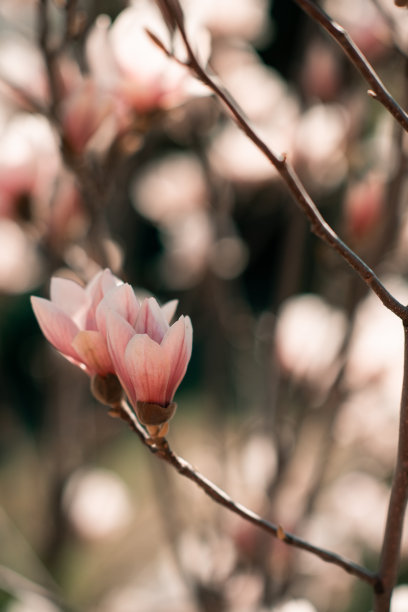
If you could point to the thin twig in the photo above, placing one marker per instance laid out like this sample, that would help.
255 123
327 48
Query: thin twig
390 553
317 223
161 449
378 90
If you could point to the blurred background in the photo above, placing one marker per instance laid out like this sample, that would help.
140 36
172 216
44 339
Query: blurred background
112 155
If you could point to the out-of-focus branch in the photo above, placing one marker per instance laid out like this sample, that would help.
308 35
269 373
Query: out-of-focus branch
378 89
48 52
317 223
161 448
92 192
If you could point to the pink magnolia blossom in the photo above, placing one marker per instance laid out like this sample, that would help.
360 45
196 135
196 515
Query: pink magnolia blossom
150 356
69 322
104 329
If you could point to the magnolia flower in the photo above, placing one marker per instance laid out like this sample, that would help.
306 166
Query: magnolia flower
68 321
106 331
150 356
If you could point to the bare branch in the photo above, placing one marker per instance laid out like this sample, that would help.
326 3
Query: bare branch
317 223
161 448
390 553
378 89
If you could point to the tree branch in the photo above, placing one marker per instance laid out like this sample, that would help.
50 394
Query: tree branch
336 31
161 448
390 553
317 223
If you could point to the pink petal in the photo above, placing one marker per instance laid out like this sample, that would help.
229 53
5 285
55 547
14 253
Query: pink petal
151 320
109 281
149 368
122 300
118 335
91 348
70 297
169 310
56 326
101 284
178 344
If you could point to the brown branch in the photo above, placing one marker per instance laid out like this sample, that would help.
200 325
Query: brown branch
390 553
161 448
378 89
317 223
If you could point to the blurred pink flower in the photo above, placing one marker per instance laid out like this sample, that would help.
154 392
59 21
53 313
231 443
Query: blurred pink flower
124 60
83 112
29 162
149 355
364 205
69 321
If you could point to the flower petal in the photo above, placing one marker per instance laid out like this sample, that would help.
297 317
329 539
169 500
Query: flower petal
151 320
122 300
169 310
118 335
70 297
93 351
149 368
177 344
56 326
99 286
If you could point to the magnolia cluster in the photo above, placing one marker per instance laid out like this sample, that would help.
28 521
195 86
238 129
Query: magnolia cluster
107 332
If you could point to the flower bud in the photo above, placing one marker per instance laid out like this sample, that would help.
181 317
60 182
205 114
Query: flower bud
107 389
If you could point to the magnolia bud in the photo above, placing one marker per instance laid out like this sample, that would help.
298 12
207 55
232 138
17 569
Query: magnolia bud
107 389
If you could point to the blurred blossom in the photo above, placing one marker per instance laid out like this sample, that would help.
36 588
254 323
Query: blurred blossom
29 161
244 19
351 499
228 257
320 145
364 207
21 266
375 436
65 219
376 346
258 461
274 112
399 601
124 60
82 114
207 557
244 591
188 244
364 23
309 335
234 157
296 605
170 188
320 73
399 20
22 67
260 91
97 503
